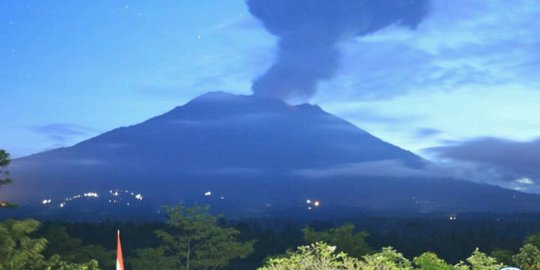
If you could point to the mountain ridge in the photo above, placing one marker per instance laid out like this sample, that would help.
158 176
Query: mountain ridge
248 149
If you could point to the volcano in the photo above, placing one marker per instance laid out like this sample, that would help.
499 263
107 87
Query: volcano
251 155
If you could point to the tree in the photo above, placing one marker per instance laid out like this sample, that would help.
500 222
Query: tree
4 174
151 258
387 259
59 241
73 250
503 256
18 251
318 256
194 241
321 256
480 261
56 263
528 257
342 237
430 261
4 162
533 239
477 261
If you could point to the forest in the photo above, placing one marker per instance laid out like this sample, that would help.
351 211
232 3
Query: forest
193 238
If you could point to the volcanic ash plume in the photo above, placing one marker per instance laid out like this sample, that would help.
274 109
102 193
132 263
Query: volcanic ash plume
310 30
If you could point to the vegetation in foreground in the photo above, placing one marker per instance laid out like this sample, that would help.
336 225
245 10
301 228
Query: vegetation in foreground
19 251
320 256
4 175
193 239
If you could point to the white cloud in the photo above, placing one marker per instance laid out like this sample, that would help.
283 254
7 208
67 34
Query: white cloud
525 181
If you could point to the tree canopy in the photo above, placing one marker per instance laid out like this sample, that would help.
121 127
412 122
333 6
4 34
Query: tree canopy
19 251
193 240
321 256
73 250
5 159
342 237
528 257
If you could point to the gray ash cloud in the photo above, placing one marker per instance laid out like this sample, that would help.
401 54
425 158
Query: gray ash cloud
309 32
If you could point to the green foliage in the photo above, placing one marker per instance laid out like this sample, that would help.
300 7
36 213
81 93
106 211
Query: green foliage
193 240
72 249
4 174
18 251
386 259
533 239
320 256
4 162
480 261
317 256
55 263
528 257
343 237
430 261
151 258
503 256
61 242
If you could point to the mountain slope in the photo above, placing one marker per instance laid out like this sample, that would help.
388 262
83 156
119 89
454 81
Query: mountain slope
247 151
219 130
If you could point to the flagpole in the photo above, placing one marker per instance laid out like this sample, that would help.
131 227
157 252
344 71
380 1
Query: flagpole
119 257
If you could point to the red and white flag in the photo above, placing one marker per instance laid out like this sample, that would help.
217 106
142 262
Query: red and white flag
119 258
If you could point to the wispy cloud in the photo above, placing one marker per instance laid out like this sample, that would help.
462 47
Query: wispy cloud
504 173
463 43
421 133
517 164
61 133
396 168
232 171
393 168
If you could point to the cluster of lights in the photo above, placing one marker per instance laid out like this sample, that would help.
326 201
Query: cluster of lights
91 195
452 217
116 193
209 193
46 201
62 204
95 195
311 204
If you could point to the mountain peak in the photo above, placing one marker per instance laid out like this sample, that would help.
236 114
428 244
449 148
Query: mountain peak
225 97
253 150
221 104
218 129
217 96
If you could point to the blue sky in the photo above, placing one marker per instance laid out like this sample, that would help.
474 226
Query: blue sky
466 76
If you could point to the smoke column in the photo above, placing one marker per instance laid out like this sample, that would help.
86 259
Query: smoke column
310 30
